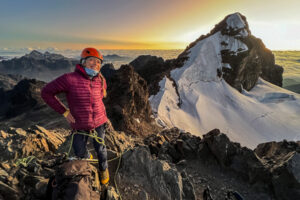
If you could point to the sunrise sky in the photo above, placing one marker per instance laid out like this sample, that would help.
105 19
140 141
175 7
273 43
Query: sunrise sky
140 24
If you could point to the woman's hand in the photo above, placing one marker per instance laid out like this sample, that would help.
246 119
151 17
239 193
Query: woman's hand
70 118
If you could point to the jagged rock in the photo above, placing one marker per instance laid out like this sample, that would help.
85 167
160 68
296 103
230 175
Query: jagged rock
156 177
232 155
108 70
37 65
173 145
127 103
153 69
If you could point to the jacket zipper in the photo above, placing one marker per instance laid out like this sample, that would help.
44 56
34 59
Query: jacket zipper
91 90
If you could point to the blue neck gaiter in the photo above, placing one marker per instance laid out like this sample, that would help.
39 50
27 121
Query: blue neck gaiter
91 72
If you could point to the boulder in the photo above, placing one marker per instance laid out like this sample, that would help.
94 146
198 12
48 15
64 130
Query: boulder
158 178
282 159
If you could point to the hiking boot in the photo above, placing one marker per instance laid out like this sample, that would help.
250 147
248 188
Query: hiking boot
104 176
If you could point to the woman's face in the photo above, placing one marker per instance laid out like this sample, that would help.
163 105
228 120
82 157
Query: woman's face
92 63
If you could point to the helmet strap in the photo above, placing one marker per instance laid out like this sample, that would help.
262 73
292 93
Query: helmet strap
82 60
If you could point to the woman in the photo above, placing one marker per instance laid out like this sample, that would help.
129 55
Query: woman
84 89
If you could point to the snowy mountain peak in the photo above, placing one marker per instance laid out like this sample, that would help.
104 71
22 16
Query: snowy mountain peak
205 60
219 85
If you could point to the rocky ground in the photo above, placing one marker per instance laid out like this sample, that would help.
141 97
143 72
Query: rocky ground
167 165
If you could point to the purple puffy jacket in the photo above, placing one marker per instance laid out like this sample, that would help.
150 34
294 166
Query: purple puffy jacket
84 96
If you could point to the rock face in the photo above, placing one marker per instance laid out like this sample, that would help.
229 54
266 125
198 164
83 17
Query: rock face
154 176
151 69
37 65
127 103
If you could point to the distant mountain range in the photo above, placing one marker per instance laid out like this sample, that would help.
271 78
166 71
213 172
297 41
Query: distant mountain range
44 67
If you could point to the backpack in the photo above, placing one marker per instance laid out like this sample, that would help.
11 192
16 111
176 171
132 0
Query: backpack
75 180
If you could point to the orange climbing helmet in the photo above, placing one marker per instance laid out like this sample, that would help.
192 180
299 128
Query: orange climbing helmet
90 52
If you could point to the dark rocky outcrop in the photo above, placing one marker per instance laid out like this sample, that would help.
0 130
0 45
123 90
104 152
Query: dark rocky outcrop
37 65
247 66
23 97
269 172
108 70
153 69
169 165
155 177
8 81
127 103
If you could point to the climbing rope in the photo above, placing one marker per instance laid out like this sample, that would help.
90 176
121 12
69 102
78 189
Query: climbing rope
24 161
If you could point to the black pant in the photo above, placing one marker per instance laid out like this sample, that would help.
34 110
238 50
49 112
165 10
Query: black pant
80 149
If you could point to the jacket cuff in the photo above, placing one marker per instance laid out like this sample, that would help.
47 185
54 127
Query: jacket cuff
65 114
